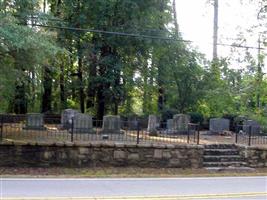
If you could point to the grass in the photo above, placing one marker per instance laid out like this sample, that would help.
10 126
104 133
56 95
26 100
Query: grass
121 172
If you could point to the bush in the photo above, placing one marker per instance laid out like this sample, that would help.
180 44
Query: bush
168 114
196 117
231 118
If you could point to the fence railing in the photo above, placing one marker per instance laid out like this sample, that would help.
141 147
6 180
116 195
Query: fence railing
250 135
19 128
51 129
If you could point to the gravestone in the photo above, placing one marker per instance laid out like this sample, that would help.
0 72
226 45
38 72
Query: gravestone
180 123
111 124
66 117
35 121
152 124
239 122
132 123
218 125
170 124
82 123
255 127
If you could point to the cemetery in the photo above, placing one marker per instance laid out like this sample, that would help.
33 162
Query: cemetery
161 85
73 126
75 139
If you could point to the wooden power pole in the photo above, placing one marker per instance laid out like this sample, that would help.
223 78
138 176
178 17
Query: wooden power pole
215 29
175 17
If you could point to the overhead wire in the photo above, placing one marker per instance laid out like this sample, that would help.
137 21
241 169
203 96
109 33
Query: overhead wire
127 34
137 35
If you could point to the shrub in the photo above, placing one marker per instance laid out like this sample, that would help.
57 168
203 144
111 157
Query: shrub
168 114
196 117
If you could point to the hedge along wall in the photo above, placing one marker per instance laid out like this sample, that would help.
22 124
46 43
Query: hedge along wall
100 155
255 157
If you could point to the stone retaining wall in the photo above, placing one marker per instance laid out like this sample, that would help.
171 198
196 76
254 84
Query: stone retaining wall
100 155
255 157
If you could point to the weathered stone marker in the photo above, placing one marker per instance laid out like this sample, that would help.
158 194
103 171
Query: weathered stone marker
255 127
66 117
180 123
82 123
35 121
111 124
170 124
152 124
218 125
132 123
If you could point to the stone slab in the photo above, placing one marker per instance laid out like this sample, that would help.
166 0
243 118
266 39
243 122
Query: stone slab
218 125
35 121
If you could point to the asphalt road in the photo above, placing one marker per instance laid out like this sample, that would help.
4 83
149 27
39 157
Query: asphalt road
136 188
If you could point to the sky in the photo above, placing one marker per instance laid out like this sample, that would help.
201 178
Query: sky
195 18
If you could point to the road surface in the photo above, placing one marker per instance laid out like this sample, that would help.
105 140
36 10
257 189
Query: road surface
136 188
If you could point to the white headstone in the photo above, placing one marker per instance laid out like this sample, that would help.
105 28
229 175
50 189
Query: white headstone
153 124
180 122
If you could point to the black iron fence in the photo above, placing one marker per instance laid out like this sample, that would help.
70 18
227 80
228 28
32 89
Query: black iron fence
52 129
250 135
44 129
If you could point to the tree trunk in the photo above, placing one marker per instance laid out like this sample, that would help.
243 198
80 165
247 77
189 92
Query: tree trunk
20 101
102 86
62 88
91 93
47 95
161 89
80 78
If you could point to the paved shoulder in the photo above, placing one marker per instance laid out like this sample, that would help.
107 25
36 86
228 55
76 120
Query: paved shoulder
153 188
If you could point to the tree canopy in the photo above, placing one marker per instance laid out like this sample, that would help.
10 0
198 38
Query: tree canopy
116 57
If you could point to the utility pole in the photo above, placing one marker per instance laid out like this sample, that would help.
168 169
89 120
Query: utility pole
259 72
175 18
215 29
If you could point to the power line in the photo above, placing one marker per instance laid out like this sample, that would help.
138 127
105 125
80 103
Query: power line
240 46
110 32
138 35
129 34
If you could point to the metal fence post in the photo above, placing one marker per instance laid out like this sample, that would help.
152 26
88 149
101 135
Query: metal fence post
249 135
72 126
138 132
1 128
188 134
236 134
198 132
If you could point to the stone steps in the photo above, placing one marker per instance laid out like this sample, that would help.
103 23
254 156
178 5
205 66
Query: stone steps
224 164
221 152
222 158
220 146
222 155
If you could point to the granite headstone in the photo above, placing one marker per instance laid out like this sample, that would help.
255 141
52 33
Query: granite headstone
255 127
66 117
35 121
111 124
218 125
180 123
82 123
153 124
170 124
